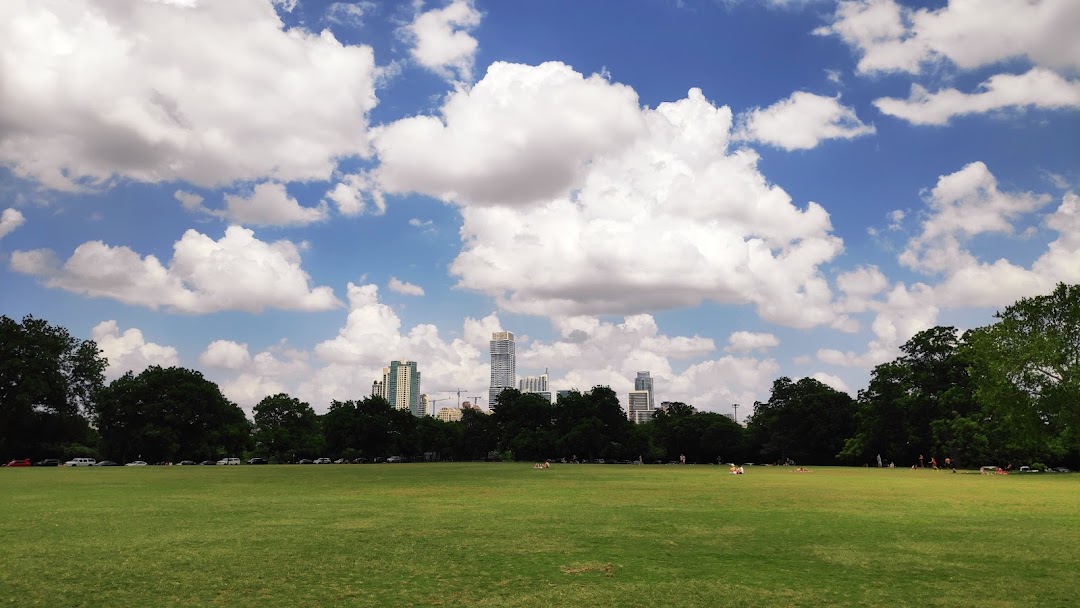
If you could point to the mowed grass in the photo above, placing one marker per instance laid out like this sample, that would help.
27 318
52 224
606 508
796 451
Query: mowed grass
508 535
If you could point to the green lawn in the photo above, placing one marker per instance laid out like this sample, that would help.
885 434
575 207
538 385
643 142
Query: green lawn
508 535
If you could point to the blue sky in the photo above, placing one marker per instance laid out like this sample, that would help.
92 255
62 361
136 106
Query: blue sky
287 195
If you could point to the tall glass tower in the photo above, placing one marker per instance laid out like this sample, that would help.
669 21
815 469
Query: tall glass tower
643 382
503 365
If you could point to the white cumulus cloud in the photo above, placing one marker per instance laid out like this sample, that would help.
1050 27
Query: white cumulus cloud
129 351
442 41
1038 88
398 286
237 272
967 33
269 204
801 122
10 219
155 91
577 201
746 341
521 134
963 205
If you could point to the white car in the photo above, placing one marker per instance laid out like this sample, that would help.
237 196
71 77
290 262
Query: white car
135 463
227 461
80 462
322 461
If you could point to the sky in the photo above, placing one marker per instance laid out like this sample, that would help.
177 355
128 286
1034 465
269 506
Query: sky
286 195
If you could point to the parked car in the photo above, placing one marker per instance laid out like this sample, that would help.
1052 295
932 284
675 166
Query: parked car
1027 469
208 463
323 461
305 461
258 461
80 462
229 461
135 463
394 459
360 460
1058 470
25 462
106 463
186 462
48 462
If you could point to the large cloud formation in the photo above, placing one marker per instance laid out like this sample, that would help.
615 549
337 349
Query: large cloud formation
960 207
577 201
158 91
237 272
967 35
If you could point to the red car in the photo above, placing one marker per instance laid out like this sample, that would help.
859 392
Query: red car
25 462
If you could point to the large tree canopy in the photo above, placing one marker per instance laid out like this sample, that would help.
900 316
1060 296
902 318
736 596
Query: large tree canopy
806 421
168 414
906 397
1026 369
287 428
48 380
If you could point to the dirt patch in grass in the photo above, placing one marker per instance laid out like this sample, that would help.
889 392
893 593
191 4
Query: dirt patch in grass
607 569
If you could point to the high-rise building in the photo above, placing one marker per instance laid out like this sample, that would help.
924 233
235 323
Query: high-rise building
400 386
638 408
503 365
644 382
537 385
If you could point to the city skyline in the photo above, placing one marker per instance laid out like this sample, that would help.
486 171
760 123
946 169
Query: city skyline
286 195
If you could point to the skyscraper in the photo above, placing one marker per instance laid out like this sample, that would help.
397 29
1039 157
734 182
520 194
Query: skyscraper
503 365
644 382
400 386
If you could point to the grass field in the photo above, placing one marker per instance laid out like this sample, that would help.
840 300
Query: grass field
508 535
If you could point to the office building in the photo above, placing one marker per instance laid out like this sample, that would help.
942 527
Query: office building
503 365
449 414
638 408
537 385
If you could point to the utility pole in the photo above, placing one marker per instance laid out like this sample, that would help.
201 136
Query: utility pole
736 406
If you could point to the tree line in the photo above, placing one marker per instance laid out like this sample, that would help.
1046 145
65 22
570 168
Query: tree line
1007 392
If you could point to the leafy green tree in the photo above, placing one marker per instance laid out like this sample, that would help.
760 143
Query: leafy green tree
524 423
370 426
905 397
48 382
674 430
477 436
287 429
592 425
1026 368
168 414
806 421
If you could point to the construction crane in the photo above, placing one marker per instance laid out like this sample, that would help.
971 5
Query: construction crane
432 403
456 391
